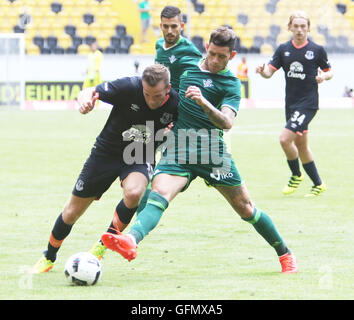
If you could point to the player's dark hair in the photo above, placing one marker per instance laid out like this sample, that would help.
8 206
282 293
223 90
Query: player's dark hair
171 12
155 73
223 37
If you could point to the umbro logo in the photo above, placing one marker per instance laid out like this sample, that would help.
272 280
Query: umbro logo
172 59
208 83
135 107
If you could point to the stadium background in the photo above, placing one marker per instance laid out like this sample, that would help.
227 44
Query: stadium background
195 253
58 34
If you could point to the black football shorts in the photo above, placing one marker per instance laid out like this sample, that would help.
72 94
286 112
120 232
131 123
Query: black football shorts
298 119
101 170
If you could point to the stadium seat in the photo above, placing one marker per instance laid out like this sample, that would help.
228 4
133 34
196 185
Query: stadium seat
89 39
115 42
199 43
76 41
121 30
56 7
125 43
52 42
38 41
88 18
83 49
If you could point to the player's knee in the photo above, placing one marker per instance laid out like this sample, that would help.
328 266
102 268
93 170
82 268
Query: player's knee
244 208
132 196
284 141
161 191
71 213
302 145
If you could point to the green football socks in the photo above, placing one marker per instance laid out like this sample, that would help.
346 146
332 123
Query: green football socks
144 199
149 217
266 228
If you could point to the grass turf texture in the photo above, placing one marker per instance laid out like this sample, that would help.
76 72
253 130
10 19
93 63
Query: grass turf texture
201 248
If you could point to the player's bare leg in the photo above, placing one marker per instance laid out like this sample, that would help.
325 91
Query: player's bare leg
75 208
239 199
287 141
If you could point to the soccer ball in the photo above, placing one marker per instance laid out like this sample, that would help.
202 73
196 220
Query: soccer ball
83 269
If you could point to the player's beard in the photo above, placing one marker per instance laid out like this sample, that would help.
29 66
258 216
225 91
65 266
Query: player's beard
213 68
171 39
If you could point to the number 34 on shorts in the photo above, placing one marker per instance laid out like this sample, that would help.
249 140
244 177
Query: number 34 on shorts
299 120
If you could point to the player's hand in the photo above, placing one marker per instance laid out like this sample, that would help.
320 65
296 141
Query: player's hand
260 69
168 128
87 99
320 76
194 93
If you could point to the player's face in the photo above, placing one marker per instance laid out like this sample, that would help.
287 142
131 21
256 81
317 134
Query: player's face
217 57
299 28
171 30
157 95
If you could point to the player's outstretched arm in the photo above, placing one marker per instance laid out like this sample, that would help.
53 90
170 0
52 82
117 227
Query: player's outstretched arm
265 71
87 99
221 119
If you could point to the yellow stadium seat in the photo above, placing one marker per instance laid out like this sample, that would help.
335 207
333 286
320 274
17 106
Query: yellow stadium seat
267 49
64 41
32 49
104 42
83 49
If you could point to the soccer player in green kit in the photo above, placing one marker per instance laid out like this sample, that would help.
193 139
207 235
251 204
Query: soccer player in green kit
175 52
209 101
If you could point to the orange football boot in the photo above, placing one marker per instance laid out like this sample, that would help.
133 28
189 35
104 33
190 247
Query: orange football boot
121 243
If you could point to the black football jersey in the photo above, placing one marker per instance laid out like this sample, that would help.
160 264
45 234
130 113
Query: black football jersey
131 119
300 65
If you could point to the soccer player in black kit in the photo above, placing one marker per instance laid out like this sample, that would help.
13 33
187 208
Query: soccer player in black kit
143 107
305 65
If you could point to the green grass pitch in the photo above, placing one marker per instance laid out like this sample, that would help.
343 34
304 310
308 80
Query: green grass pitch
201 248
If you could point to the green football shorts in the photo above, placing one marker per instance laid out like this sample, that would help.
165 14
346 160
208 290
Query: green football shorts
226 175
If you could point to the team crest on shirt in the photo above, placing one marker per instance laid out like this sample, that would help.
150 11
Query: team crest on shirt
208 83
166 118
172 59
309 55
286 53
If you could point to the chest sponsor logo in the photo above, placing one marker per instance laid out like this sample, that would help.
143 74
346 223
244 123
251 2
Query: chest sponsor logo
309 55
208 83
166 118
172 59
134 107
138 133
296 71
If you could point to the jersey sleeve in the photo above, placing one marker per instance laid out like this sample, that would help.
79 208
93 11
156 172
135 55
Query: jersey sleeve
323 60
112 91
276 61
232 98
188 62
